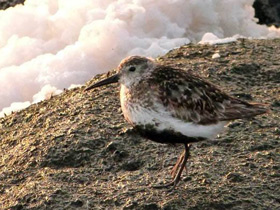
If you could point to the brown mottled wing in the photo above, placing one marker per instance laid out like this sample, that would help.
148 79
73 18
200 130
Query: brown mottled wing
192 99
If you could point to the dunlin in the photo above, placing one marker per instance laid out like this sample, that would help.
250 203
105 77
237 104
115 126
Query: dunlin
170 105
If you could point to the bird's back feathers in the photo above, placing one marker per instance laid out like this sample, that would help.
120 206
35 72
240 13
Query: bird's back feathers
193 99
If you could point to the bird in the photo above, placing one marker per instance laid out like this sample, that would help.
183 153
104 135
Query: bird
173 106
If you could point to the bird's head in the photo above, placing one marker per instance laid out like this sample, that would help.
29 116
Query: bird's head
129 72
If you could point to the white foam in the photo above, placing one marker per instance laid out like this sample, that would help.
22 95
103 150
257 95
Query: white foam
72 86
15 106
46 93
210 38
62 42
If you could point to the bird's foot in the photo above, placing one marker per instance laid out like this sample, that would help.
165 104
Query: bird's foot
171 184
177 170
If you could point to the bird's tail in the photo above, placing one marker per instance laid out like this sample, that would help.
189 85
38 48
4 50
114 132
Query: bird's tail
242 109
258 108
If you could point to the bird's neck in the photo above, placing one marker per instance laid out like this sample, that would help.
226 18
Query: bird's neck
133 100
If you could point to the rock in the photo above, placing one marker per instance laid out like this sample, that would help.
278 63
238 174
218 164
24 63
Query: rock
112 146
276 103
132 165
130 205
4 4
77 203
262 147
245 68
267 11
149 206
234 177
119 155
106 167
17 207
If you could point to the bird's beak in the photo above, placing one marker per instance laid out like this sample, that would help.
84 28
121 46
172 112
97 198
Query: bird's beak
109 80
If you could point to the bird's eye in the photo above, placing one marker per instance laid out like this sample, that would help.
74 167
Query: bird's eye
132 68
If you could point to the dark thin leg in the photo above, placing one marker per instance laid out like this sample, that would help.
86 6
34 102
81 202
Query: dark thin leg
179 167
178 163
175 168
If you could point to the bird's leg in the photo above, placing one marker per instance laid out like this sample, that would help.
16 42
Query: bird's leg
176 166
179 167
178 163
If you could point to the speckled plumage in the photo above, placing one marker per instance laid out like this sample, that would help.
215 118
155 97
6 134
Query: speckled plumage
170 105
185 96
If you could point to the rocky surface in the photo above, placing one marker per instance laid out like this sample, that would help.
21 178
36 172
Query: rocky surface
75 151
4 4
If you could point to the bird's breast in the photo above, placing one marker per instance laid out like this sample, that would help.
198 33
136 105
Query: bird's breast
135 104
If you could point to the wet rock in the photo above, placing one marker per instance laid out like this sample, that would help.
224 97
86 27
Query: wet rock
130 205
275 103
277 131
149 206
171 205
206 181
77 203
268 12
234 177
83 162
119 155
132 165
245 68
68 157
4 4
261 147
112 146
17 207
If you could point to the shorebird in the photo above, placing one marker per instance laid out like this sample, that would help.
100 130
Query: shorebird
170 105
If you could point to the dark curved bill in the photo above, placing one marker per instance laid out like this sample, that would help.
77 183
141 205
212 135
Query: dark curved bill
109 80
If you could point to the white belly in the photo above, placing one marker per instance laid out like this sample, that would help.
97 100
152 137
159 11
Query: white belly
162 120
